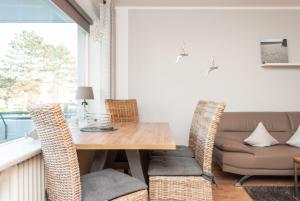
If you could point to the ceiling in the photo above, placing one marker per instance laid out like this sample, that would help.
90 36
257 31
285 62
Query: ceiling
208 3
92 7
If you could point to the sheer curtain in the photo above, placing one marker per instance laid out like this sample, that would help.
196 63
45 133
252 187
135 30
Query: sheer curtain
101 54
106 49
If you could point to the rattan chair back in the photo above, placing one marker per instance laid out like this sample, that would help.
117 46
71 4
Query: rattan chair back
59 153
208 119
196 123
122 110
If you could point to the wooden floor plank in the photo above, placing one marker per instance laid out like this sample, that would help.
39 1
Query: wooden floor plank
226 191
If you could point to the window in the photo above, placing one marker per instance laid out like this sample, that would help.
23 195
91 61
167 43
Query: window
40 61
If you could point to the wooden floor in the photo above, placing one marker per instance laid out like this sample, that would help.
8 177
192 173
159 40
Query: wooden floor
226 191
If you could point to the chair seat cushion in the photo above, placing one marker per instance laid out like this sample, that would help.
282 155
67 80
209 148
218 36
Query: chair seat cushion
108 184
181 151
174 166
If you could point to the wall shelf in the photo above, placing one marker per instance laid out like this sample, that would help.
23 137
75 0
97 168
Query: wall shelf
294 65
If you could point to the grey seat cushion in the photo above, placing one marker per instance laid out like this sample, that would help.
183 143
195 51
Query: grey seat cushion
181 151
174 166
108 184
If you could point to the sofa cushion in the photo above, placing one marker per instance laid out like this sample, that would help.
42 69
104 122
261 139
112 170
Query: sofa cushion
277 157
181 151
260 137
174 166
295 139
247 121
235 136
108 184
232 145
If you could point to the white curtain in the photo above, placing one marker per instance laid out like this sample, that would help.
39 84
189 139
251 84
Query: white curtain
106 26
101 56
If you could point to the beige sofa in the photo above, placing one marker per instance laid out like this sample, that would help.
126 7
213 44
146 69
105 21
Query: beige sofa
234 156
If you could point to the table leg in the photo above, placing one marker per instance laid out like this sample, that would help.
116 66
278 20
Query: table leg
103 159
138 163
295 179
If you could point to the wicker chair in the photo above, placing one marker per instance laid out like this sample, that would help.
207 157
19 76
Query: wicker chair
122 110
63 180
188 151
184 178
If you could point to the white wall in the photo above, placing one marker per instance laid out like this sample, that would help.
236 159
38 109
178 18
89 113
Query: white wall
169 92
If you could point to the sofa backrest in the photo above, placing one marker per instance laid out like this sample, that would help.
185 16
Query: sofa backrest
281 125
294 118
247 121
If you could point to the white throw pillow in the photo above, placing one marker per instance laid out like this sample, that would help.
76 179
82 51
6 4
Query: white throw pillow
295 139
260 137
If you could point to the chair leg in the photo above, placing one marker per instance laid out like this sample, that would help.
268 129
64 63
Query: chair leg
240 182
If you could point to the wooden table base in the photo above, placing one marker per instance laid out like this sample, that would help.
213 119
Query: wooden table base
138 164
103 159
137 159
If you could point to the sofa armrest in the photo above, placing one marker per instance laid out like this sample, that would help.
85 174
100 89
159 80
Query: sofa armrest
232 145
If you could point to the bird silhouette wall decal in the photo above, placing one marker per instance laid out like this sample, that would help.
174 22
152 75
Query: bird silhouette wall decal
182 54
212 67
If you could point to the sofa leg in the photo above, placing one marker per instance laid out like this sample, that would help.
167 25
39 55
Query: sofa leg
240 182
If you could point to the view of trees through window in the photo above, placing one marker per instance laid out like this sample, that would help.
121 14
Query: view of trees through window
35 67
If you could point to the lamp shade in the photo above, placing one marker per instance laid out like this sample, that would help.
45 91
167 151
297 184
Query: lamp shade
84 93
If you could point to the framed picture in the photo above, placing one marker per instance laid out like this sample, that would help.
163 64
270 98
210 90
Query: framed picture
274 51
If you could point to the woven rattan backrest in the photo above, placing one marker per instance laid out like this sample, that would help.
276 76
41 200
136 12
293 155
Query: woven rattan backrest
122 110
208 120
59 152
196 123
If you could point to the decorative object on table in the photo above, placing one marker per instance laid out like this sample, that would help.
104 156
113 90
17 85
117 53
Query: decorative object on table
274 51
212 67
103 119
73 121
102 123
84 93
183 53
98 129
271 193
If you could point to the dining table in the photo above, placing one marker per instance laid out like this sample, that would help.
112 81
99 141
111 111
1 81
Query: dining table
136 139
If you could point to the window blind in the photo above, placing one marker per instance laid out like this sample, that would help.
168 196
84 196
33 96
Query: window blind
75 12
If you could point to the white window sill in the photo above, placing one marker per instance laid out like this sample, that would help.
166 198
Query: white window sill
12 153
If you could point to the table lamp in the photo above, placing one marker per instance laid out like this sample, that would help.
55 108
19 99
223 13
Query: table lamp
84 93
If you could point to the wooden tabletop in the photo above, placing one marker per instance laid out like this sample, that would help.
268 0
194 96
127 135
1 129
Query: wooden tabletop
129 136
